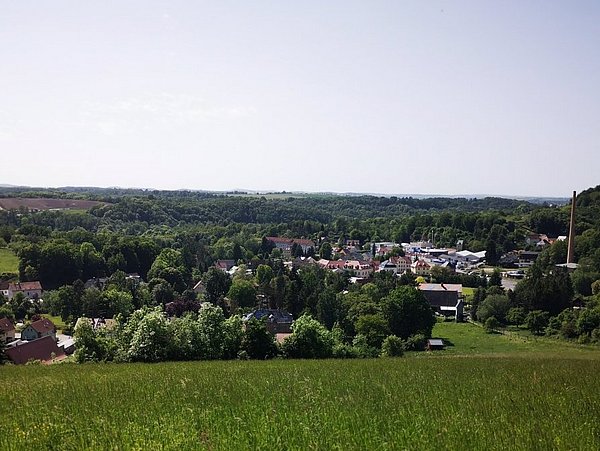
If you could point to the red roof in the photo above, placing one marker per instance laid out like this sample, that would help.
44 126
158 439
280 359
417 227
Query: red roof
4 284
43 325
25 286
40 349
6 325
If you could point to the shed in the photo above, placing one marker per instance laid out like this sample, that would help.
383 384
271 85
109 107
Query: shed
435 344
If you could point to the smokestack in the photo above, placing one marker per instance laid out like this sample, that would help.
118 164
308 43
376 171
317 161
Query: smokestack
571 249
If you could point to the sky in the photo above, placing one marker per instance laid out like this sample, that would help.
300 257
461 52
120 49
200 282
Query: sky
424 97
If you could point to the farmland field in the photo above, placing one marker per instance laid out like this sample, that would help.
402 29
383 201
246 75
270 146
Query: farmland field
514 399
43 203
9 262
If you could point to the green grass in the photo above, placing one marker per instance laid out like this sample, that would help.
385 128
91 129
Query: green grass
9 262
57 320
469 338
433 403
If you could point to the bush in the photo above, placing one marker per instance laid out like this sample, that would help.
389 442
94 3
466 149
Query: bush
537 321
516 316
309 340
491 324
392 347
415 342
362 348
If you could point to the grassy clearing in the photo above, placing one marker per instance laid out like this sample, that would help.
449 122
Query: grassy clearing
9 262
57 320
435 403
468 338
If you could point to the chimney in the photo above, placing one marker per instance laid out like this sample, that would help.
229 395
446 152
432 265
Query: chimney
571 249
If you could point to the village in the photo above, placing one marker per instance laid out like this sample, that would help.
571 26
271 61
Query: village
39 340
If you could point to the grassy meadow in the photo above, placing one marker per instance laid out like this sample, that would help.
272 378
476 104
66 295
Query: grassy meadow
9 262
483 392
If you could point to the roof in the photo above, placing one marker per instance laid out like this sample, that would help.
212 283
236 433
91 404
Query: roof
6 325
273 315
25 286
4 285
43 325
300 241
441 287
41 349
435 342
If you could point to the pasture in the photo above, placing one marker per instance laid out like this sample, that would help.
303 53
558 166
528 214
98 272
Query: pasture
9 262
508 397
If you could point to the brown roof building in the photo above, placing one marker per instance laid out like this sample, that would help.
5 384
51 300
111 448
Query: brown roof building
29 289
38 329
43 349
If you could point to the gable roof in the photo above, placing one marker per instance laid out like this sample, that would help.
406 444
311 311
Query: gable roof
441 287
6 325
43 325
40 349
25 286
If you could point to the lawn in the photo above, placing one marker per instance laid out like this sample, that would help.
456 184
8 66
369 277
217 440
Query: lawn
485 391
473 402
9 262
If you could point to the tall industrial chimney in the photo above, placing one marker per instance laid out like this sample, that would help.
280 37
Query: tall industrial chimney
571 249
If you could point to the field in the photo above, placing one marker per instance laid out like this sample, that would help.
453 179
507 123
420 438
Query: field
43 203
511 396
9 262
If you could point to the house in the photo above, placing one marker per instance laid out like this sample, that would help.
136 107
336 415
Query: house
7 330
225 265
441 295
360 269
67 345
526 258
277 321
285 244
31 290
39 329
96 282
435 344
4 288
420 267
397 265
43 349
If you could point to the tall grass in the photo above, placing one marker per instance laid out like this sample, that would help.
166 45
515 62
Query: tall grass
437 403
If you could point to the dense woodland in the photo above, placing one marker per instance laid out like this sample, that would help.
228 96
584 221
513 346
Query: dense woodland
172 238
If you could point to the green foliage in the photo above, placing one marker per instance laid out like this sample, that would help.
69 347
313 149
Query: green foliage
588 320
257 341
309 340
407 312
491 324
373 327
392 347
516 316
496 305
217 284
537 321
242 292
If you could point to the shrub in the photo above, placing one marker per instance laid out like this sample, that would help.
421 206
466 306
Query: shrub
516 316
496 305
537 321
362 348
309 340
491 324
392 347
415 342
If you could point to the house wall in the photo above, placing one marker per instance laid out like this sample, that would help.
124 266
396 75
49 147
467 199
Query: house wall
29 333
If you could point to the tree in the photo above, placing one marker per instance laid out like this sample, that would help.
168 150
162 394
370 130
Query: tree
326 251
551 292
243 293
408 312
150 337
537 321
496 305
309 340
516 316
589 319
257 341
374 328
210 322
233 335
217 284
491 324
496 278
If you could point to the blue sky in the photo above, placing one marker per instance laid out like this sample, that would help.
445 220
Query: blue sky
423 97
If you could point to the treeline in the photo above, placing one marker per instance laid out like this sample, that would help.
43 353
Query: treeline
148 335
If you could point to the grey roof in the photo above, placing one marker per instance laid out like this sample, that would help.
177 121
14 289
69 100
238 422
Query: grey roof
435 342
